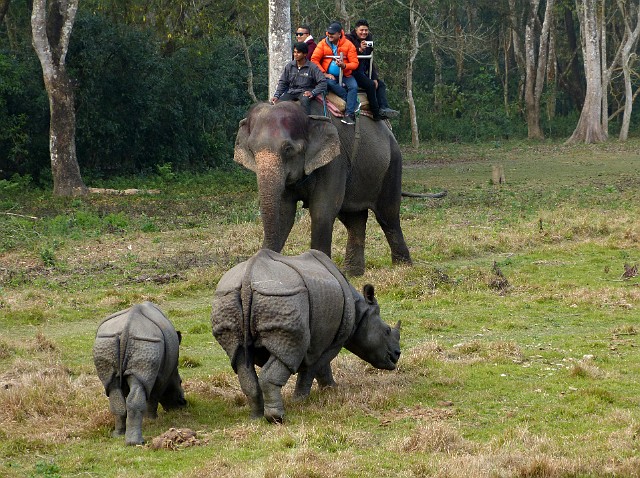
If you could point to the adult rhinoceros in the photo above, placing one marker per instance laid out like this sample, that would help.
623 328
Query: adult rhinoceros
293 315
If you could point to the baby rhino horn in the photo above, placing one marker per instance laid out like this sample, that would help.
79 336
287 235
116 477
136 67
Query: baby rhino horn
397 327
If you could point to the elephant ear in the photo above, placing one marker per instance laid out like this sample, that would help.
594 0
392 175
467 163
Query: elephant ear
241 153
324 143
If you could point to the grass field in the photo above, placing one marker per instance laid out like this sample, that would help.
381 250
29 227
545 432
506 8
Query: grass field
519 325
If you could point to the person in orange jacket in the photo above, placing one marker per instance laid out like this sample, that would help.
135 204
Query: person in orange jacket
336 44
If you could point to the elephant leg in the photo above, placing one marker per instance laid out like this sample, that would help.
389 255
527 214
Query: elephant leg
250 386
356 224
388 216
118 408
136 407
273 377
324 376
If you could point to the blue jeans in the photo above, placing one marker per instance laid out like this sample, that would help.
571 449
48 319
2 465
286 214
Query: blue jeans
350 95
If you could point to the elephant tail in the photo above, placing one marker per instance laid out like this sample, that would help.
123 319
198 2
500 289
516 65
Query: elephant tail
439 195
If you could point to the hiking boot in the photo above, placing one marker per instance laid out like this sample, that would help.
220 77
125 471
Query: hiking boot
349 119
389 113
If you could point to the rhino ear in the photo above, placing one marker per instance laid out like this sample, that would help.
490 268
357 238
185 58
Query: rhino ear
241 153
179 336
397 326
323 145
369 293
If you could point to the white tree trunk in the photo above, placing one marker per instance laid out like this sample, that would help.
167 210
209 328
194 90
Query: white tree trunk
629 43
279 40
51 28
589 128
414 27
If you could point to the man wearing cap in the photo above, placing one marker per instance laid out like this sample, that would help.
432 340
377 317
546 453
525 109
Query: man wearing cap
300 80
376 90
345 58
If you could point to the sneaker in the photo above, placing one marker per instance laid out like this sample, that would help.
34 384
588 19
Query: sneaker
389 113
349 119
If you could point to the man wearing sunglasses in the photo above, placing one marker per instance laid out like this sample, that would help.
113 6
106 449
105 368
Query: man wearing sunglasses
303 34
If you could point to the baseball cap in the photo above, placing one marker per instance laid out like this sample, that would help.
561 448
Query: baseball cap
335 27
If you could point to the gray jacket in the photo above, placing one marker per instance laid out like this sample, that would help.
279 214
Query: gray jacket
296 80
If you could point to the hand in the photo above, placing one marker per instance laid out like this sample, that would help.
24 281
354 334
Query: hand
274 100
375 82
363 45
307 94
340 63
329 76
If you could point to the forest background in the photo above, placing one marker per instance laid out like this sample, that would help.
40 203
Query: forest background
161 85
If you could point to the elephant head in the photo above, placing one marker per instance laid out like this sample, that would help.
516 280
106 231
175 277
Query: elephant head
283 145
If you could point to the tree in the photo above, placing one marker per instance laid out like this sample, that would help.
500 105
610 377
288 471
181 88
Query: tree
589 128
51 25
279 40
629 42
532 57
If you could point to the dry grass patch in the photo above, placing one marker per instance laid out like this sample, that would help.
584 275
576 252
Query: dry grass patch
435 437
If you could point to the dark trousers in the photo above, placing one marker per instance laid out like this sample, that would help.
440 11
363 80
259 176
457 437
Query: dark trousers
377 97
305 101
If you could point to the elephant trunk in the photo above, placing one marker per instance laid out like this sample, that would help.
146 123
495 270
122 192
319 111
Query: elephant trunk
271 183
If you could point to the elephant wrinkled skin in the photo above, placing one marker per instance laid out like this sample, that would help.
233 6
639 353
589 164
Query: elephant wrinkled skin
136 357
309 158
292 315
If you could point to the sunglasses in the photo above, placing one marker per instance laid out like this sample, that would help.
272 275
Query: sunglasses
298 34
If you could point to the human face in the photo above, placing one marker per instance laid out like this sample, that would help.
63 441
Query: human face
298 55
333 37
301 34
362 32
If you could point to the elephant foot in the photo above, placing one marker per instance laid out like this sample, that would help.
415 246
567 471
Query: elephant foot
117 433
352 271
324 386
257 412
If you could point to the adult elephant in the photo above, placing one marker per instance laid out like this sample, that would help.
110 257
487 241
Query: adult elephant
336 170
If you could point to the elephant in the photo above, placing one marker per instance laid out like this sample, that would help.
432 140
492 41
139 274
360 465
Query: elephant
336 170
136 356
292 315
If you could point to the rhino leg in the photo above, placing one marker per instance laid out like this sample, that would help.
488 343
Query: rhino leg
324 376
303 384
273 377
249 385
152 408
136 407
118 408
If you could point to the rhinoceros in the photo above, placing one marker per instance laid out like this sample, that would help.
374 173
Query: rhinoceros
292 315
136 357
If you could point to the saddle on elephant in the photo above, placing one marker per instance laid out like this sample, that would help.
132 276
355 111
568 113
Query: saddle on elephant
337 105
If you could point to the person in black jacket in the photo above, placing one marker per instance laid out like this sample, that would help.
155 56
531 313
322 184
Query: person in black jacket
375 88
301 79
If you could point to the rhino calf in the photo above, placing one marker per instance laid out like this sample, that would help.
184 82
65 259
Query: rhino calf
136 357
292 315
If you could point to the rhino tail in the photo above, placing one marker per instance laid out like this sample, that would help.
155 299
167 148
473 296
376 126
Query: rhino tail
121 353
246 297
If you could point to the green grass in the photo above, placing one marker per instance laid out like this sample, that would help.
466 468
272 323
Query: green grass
530 374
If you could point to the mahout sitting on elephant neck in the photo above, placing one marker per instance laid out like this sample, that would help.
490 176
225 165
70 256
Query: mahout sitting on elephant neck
292 315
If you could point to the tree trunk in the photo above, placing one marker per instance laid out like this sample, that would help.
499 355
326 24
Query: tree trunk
4 7
629 43
247 59
552 73
414 27
536 65
51 32
589 128
279 40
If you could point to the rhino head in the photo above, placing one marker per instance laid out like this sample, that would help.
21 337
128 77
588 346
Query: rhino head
373 340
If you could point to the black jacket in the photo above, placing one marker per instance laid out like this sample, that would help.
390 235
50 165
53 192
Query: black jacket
296 80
